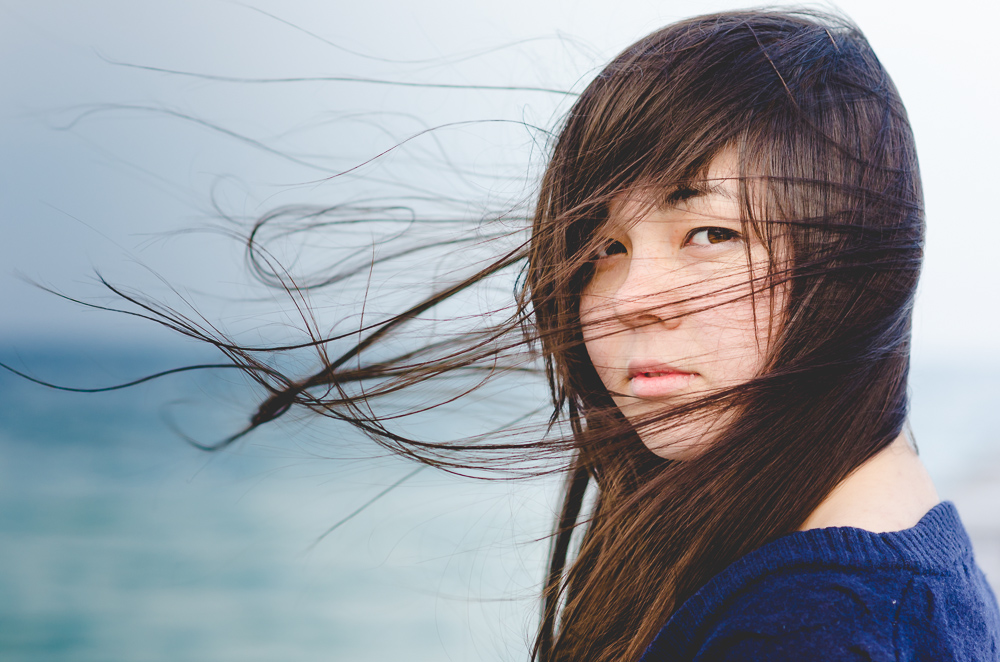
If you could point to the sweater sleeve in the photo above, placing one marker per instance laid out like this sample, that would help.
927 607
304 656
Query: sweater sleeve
803 616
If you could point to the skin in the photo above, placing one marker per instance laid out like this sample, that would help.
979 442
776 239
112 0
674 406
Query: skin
668 317
889 492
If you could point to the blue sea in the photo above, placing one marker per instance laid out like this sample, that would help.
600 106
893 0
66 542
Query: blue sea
121 542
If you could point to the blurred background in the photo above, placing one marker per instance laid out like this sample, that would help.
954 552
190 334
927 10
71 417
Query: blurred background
130 128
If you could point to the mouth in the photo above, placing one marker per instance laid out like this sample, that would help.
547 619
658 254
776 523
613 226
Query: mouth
657 380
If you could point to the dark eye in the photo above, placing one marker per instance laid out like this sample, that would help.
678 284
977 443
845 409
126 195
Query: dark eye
612 248
709 236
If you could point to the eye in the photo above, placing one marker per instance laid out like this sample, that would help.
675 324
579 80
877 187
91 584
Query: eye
611 249
710 236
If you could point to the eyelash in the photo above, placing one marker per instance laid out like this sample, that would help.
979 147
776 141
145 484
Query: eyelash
603 252
728 234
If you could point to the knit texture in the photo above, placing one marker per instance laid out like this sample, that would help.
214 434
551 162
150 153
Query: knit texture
843 594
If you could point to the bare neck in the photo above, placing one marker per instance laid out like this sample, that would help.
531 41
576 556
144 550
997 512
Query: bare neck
889 492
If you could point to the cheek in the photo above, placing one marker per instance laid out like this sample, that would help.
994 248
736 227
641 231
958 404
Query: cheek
600 343
734 339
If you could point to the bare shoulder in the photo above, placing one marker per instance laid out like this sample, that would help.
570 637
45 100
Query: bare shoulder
890 492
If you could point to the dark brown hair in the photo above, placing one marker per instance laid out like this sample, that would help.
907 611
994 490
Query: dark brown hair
827 170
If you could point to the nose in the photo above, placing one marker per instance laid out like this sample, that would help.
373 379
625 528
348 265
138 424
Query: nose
650 294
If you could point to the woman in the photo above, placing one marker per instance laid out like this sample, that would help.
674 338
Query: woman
719 283
748 186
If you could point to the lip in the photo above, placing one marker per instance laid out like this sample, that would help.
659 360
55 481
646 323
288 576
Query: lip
653 379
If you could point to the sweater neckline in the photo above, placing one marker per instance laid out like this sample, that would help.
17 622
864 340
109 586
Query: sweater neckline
937 540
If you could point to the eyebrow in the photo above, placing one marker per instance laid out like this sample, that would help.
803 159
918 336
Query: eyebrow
698 189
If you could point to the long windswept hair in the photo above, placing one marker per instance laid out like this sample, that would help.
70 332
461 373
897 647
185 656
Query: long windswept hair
829 183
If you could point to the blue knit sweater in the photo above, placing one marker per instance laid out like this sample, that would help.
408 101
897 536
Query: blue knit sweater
843 594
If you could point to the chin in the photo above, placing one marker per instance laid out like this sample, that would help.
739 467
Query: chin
680 451
679 443
681 440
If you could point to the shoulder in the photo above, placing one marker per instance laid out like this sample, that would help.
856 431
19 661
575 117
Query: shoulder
851 614
830 614
843 594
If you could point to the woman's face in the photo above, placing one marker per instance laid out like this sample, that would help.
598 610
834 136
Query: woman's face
672 311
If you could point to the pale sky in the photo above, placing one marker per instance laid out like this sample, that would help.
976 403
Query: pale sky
82 189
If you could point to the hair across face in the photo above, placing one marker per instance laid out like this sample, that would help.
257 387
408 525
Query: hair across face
677 305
